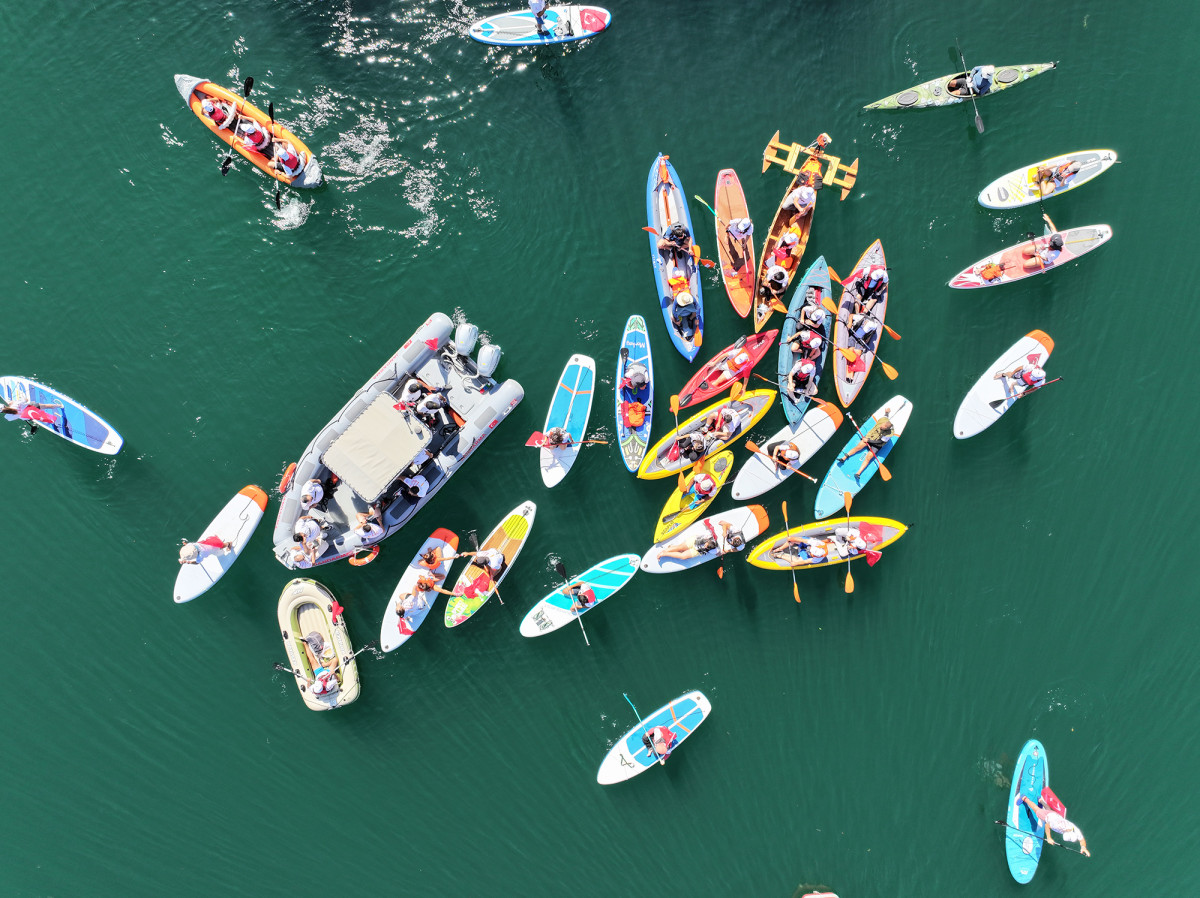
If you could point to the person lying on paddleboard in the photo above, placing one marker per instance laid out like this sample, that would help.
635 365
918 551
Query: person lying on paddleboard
1037 255
194 553
31 413
431 560
659 742
978 82
706 543
722 424
801 550
1057 823
1048 180
877 437
801 380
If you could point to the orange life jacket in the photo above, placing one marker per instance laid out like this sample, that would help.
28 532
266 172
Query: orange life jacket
679 284
991 271
635 414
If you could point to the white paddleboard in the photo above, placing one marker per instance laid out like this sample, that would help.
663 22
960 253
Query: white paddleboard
629 757
563 23
813 431
569 409
557 608
749 520
1018 188
990 398
390 636
235 524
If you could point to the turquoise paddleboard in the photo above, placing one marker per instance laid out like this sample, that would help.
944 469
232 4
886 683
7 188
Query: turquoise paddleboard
601 580
1023 832
843 476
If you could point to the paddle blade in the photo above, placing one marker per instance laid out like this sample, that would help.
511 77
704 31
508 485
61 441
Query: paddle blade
225 165
249 83
829 304
849 579
848 499
736 391
833 275
561 568
851 355
785 521
753 447
674 405
698 341
651 230
978 122
891 333
682 482
536 439
721 572
271 111
872 557
795 590
883 471
888 370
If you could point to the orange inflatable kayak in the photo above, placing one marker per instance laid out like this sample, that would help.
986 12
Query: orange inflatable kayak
195 91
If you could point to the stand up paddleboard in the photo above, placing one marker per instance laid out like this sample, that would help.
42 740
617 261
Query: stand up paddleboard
629 756
737 256
475 585
391 636
760 473
1021 188
1008 264
569 409
990 398
235 524
1023 832
841 477
749 521
563 24
600 580
74 422
634 439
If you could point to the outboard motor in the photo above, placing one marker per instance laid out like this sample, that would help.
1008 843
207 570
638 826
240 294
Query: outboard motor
489 358
465 337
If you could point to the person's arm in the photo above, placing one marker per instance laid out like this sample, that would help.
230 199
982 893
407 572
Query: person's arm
1049 223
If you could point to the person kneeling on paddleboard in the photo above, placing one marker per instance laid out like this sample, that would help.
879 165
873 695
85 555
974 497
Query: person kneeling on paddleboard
1027 376
1056 822
659 742
877 437
582 597
636 377
784 454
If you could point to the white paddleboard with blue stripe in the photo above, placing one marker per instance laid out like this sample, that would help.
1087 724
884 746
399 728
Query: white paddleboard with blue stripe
629 756
73 422
563 23
569 409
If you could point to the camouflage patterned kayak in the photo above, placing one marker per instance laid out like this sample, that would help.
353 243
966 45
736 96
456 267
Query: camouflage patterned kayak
937 93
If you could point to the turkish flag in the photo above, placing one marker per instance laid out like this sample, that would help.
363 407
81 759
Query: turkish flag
872 534
591 19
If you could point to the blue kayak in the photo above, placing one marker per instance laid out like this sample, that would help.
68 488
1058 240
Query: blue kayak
634 439
666 206
630 756
843 476
564 23
72 421
1023 832
816 279
599 582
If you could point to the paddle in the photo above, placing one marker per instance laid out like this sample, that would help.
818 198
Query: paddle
848 498
792 568
996 403
657 757
475 545
675 412
883 471
720 543
562 572
271 113
829 306
228 161
970 91
538 439
753 447
852 354
1042 838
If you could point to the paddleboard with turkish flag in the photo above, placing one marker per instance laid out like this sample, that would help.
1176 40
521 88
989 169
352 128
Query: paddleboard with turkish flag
562 24
58 413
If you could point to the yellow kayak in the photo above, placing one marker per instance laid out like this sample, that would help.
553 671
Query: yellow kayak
686 505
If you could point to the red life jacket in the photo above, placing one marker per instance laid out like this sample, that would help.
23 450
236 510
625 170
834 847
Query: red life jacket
290 162
257 138
1028 378
219 115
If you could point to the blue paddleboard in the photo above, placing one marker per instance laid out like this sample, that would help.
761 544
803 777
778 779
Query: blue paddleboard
634 440
843 476
1023 832
569 409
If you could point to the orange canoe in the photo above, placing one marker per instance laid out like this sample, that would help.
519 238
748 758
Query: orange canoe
737 256
196 90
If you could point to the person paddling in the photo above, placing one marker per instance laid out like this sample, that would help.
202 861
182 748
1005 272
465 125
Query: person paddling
659 741
1055 822
875 439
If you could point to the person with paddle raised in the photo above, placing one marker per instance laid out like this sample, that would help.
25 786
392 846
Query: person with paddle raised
874 441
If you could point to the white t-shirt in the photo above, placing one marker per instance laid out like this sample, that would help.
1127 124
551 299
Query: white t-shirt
787 453
315 491
494 559
309 529
300 561
778 274
802 196
740 228
815 314
537 7
418 483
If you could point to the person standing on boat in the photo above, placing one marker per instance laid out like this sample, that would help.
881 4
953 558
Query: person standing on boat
740 230
876 438
1056 822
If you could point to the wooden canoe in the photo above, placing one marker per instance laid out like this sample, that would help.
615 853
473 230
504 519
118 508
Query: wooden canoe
736 256
811 169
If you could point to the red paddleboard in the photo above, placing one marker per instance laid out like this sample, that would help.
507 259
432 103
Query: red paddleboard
715 376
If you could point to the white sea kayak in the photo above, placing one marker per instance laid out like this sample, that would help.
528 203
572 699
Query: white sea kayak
809 434
749 521
991 397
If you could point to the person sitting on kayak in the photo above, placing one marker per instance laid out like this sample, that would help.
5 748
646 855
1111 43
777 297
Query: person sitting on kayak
1056 822
683 312
557 438
800 550
812 313
312 494
692 446
217 111
1047 180
32 413
254 136
774 284
676 240
1026 376
659 742
877 437
802 380
538 8
286 159
806 343
848 541
785 249
194 553
864 328
800 202
869 288
699 491
978 82
369 529
734 367
723 424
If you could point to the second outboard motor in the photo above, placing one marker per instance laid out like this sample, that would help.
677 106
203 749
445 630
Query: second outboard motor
489 358
465 337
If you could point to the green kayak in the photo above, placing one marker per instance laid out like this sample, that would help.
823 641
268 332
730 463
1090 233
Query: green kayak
937 93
